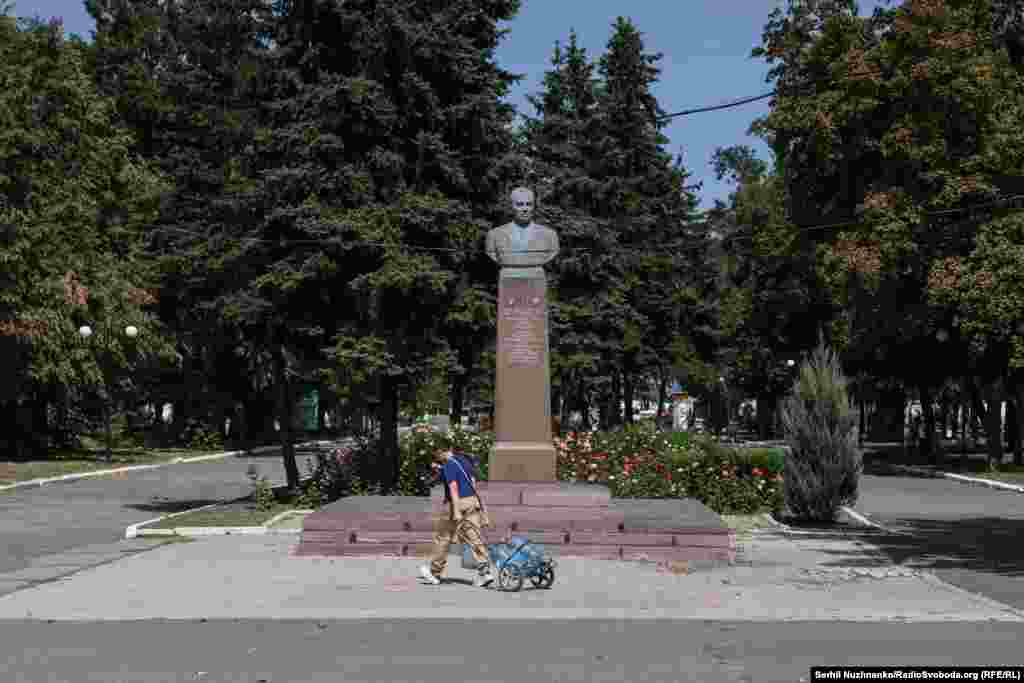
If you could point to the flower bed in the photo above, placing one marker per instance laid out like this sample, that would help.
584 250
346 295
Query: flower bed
639 463
635 463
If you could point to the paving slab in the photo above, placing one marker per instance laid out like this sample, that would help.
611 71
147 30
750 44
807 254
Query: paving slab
776 578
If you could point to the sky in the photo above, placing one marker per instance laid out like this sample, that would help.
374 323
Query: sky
706 60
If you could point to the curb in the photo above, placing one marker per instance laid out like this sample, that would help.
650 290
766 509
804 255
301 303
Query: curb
137 530
132 468
989 483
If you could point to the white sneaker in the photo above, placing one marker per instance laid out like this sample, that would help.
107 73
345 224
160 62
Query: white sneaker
426 576
483 580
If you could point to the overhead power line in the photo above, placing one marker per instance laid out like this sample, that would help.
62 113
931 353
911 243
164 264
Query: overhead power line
716 107
1012 203
866 73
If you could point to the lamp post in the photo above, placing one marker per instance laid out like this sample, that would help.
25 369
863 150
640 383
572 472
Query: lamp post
86 332
725 396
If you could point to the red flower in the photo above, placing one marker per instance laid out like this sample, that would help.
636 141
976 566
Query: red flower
758 472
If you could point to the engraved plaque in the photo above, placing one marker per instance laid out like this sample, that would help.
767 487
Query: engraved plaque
523 323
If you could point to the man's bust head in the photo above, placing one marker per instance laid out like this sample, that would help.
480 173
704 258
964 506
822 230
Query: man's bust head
522 243
522 205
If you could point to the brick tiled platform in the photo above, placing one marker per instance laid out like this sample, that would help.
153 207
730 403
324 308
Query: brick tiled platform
571 520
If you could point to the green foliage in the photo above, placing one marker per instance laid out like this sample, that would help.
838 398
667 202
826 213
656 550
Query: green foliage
73 201
824 463
263 493
641 464
199 437
340 472
921 115
419 445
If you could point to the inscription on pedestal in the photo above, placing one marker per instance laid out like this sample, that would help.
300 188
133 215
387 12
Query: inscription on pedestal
523 324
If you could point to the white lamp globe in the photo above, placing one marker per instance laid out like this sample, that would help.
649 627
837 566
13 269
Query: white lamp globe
85 331
790 362
131 331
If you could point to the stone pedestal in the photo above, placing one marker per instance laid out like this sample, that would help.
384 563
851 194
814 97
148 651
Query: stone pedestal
570 519
523 449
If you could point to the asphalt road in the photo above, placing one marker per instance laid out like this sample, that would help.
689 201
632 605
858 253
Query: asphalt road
60 518
969 536
477 651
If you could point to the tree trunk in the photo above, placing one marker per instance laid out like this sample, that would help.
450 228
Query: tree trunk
767 404
889 418
662 389
1018 446
1012 435
628 392
993 423
928 448
179 417
285 410
615 401
862 424
584 406
565 404
458 394
388 454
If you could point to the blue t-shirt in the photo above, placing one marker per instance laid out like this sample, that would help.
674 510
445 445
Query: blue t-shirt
451 472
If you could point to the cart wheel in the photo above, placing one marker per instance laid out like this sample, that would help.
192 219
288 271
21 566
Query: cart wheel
510 579
544 579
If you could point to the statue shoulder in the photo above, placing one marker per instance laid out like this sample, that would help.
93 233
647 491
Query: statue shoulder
499 230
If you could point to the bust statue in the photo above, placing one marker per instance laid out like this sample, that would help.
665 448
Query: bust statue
522 246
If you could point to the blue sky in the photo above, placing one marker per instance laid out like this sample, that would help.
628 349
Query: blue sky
705 44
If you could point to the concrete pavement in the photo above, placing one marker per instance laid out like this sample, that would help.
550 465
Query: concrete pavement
41 521
478 651
967 535
779 577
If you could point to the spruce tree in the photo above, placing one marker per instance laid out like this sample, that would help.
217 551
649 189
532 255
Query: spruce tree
383 143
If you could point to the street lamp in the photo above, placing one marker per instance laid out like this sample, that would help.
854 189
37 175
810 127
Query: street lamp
725 395
131 332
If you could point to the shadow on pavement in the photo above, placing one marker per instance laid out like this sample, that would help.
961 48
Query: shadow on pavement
171 506
980 544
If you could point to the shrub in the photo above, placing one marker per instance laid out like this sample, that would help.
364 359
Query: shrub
338 472
824 465
264 495
635 464
418 446
199 437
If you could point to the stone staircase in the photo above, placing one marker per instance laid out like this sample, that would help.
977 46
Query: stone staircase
570 519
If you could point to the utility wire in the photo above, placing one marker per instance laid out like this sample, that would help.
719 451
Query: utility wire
856 75
1011 203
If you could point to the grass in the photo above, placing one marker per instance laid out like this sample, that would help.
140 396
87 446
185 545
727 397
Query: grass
88 459
243 512
745 525
1011 474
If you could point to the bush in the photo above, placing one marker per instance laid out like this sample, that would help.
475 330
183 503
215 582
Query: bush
824 465
198 437
338 473
418 446
640 464
263 493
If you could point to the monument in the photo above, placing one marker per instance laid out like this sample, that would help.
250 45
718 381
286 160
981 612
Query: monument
522 492
523 449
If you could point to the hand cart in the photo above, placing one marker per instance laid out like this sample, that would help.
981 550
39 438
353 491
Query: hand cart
518 560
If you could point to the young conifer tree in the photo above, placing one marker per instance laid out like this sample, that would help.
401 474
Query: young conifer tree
824 464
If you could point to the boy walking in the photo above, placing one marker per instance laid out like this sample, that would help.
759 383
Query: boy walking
461 521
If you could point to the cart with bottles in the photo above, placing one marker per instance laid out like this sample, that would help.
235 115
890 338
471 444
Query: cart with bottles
518 560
